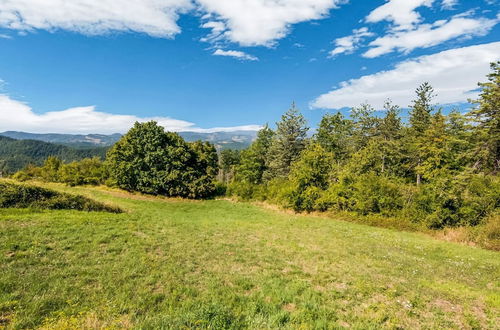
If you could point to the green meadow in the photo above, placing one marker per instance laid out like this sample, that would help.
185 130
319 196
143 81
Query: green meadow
174 263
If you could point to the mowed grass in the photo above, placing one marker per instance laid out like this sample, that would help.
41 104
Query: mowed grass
218 264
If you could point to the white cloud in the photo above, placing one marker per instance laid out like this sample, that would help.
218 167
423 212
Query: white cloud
349 43
246 22
15 115
236 54
428 35
401 12
449 4
259 22
154 17
453 74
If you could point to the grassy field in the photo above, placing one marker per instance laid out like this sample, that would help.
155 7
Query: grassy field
217 264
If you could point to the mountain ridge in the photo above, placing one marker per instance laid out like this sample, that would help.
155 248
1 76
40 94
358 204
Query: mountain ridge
222 140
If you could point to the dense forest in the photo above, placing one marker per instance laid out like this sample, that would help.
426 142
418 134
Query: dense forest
432 168
17 154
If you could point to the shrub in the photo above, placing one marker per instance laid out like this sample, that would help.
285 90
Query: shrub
377 194
26 196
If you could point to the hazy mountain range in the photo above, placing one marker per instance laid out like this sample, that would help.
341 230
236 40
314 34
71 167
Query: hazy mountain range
222 140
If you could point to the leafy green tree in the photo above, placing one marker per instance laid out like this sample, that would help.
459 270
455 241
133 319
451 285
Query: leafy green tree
149 160
229 159
50 169
309 177
335 135
487 117
287 143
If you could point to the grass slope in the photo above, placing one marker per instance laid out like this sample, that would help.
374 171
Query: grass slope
175 263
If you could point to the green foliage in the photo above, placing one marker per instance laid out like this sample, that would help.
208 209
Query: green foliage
309 177
26 196
253 163
368 164
17 154
229 159
487 117
90 171
335 135
286 144
455 201
149 160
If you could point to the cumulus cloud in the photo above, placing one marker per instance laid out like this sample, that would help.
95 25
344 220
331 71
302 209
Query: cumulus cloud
248 23
349 43
236 54
154 17
428 35
453 74
402 13
16 115
259 22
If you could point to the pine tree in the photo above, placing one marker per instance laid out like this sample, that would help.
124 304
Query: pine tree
487 117
334 135
434 149
420 119
365 125
253 160
421 109
287 143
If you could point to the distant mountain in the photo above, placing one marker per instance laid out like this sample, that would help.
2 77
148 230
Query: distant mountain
73 140
222 140
16 154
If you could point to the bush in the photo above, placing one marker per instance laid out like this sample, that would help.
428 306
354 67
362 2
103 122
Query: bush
26 196
377 194
456 201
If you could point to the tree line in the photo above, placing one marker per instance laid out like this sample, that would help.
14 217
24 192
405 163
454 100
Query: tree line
435 169
440 170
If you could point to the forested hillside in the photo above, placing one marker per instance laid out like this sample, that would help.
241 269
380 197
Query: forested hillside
16 154
222 140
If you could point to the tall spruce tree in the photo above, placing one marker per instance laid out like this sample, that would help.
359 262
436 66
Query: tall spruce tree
287 143
487 117
420 118
421 109
334 135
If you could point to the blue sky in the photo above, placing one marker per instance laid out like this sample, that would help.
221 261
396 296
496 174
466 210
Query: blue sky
95 66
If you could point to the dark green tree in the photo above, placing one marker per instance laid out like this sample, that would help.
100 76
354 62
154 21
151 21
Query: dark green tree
287 143
335 135
253 162
421 111
228 160
487 117
149 160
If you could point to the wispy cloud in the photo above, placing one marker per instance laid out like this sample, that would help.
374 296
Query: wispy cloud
16 115
348 44
453 74
236 54
428 35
